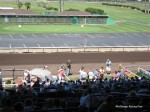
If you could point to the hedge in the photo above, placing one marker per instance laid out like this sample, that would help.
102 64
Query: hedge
51 8
126 6
94 11
72 10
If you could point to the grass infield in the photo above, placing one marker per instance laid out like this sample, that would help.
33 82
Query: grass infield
117 28
118 14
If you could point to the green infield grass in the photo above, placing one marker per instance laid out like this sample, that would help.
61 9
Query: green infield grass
122 16
117 28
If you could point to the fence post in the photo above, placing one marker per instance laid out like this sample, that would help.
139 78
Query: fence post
110 49
71 49
13 73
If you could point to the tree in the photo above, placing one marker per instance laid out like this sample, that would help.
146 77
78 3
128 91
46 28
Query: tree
42 3
27 5
60 7
20 5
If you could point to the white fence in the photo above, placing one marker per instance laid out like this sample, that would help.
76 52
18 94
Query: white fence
75 49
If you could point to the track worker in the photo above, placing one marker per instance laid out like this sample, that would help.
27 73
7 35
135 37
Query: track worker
68 67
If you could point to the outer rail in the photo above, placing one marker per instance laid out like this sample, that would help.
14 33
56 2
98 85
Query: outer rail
74 49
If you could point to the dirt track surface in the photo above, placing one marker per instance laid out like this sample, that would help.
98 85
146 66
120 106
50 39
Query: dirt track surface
54 60
59 58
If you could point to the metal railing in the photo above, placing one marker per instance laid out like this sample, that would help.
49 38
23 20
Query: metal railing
74 49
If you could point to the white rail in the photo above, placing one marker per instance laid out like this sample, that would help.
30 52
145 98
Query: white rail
144 71
74 49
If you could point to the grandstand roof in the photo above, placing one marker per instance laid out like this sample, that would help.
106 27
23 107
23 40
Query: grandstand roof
24 12
16 12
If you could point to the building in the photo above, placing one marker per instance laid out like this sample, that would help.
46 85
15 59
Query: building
15 16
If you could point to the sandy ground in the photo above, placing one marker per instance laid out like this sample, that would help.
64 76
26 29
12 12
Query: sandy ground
89 60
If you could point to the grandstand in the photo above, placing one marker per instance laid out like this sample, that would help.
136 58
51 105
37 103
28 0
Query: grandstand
14 16
124 92
69 93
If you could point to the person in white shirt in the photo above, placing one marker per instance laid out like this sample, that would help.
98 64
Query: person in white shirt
108 66
91 74
83 74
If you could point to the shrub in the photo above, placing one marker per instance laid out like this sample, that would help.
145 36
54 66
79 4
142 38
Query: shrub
13 82
10 87
72 10
126 6
49 8
55 9
8 82
94 11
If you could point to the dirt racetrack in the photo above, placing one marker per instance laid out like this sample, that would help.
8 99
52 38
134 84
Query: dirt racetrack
54 60
59 58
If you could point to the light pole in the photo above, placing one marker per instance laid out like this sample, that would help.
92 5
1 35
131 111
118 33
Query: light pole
85 40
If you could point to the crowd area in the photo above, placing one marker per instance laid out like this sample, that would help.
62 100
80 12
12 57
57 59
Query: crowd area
90 93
